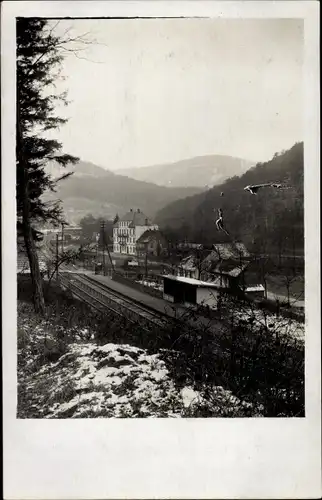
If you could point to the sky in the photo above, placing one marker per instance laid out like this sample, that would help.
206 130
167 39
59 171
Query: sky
155 91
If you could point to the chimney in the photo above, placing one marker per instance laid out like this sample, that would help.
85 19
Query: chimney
131 209
139 210
146 222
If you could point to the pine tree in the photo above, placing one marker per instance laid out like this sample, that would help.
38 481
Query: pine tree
38 64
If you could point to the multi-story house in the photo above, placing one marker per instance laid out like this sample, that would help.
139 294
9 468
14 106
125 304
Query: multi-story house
128 229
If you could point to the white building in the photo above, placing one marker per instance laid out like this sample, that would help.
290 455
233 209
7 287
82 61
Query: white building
190 291
128 229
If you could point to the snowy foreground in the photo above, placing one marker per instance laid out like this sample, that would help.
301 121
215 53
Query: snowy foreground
115 381
283 326
112 380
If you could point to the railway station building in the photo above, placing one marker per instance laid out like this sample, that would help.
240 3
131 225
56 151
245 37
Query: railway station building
190 291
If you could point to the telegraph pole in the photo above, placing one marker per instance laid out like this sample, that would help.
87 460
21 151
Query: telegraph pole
62 238
57 249
146 260
103 243
109 255
97 241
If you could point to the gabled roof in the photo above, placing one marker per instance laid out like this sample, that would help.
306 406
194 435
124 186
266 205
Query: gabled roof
136 218
149 234
223 251
230 268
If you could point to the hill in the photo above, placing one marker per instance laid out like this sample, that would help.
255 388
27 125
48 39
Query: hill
200 171
274 219
82 169
92 189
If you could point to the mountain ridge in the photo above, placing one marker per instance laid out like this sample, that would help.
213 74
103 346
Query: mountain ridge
200 171
92 189
268 218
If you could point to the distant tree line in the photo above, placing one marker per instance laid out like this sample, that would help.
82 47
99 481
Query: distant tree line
271 222
92 226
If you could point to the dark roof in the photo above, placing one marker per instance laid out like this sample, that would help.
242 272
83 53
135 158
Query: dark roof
228 251
230 268
149 234
137 218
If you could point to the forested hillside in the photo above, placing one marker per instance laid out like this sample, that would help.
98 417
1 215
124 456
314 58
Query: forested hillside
273 220
92 189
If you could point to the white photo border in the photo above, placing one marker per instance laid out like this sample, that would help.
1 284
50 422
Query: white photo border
163 458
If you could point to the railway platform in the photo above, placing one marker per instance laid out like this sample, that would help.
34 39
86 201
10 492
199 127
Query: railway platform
161 305
154 302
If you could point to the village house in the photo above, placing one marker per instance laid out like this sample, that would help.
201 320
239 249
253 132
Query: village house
128 229
189 267
151 242
228 265
225 266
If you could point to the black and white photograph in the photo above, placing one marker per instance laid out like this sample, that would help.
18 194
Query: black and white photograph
160 222
160 230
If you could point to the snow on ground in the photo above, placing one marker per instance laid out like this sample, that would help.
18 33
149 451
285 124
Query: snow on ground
279 324
63 373
112 380
151 284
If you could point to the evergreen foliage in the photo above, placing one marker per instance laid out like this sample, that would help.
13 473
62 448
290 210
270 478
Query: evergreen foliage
38 66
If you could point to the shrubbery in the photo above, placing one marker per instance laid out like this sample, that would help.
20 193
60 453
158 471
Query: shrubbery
245 356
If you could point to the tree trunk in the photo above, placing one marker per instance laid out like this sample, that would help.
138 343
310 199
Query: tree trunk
38 294
36 279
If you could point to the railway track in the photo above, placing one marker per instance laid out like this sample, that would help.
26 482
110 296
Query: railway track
103 298
89 289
